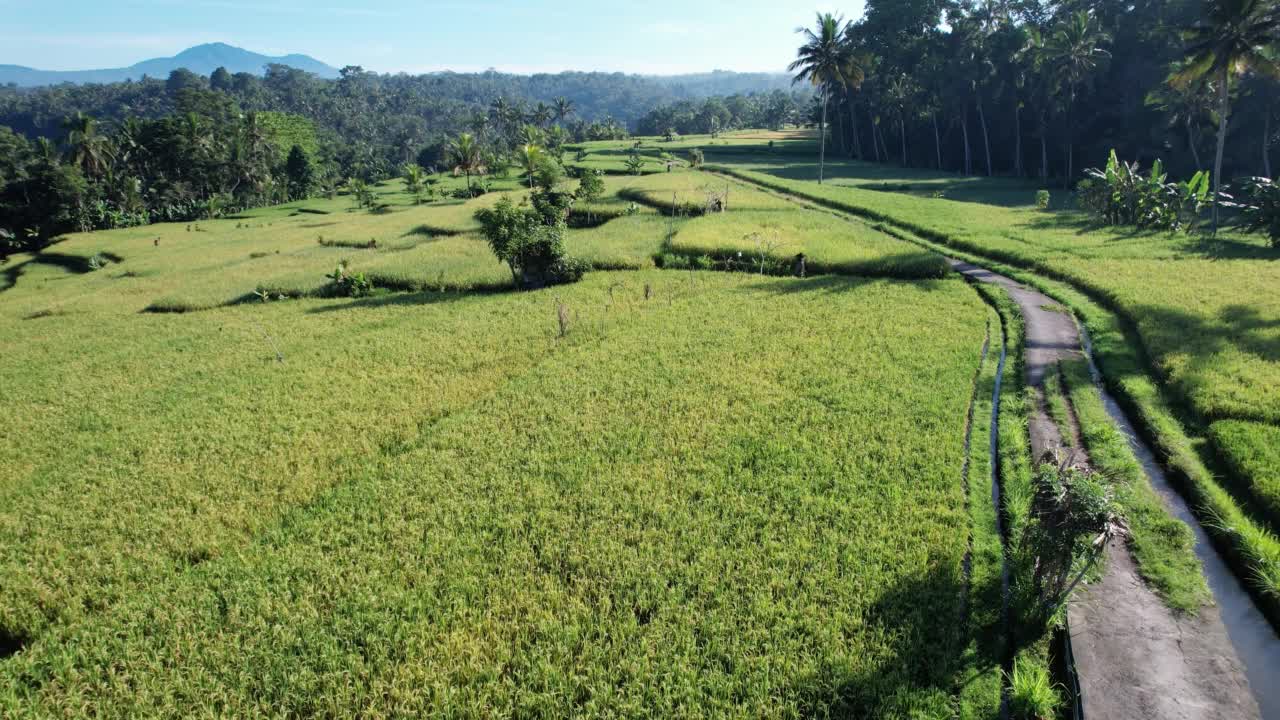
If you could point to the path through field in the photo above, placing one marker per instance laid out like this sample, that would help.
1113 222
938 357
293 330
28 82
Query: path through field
1135 657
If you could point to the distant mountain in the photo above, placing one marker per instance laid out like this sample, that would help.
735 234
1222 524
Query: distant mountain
202 60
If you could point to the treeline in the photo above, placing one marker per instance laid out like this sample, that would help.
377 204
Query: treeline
206 159
385 119
712 115
192 147
1040 88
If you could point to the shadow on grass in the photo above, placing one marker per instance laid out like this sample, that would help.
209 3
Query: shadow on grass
432 232
415 298
917 674
71 263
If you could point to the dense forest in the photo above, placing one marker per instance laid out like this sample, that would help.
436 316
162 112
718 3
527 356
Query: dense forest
1034 88
80 157
1045 88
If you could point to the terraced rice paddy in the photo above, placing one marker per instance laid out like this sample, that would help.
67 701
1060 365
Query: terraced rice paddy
715 494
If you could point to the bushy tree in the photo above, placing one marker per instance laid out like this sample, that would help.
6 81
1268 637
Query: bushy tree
301 175
531 247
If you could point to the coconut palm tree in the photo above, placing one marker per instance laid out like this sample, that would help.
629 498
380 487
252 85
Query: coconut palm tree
1074 51
464 153
1233 37
530 156
825 61
86 147
562 108
1185 105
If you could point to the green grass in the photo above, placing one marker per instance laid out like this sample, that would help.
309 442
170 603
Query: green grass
981 677
1029 638
1033 694
830 245
1163 546
1251 549
1202 308
1197 308
1255 455
741 497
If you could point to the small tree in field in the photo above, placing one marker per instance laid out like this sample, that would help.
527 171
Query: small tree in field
300 173
532 248
635 163
590 189
466 156
696 158
415 183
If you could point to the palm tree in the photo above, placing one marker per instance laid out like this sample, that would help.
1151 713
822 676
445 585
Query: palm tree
1234 37
898 97
464 153
562 108
825 61
1074 51
85 146
1185 105
530 156
541 115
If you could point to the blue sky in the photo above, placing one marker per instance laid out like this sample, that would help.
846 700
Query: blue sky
651 36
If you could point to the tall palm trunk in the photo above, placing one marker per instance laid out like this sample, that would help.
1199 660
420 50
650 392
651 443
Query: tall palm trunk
902 129
986 139
822 137
1191 142
853 119
1017 134
875 144
1266 145
841 142
1223 102
937 140
1071 145
964 128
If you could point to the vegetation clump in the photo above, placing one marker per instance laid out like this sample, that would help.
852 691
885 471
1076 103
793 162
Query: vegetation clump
1072 518
1260 207
345 283
1120 194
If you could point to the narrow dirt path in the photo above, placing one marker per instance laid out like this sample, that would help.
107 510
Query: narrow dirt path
1136 658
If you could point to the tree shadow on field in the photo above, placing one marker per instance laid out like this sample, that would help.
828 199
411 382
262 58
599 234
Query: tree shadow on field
1234 327
836 284
414 298
1211 248
917 672
77 264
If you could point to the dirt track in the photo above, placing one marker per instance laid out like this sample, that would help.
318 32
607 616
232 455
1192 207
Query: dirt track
1135 657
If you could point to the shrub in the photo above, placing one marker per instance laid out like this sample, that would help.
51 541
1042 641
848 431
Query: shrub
1072 517
1261 210
1121 195
634 163
362 193
1032 694
344 283
696 157
1042 199
530 245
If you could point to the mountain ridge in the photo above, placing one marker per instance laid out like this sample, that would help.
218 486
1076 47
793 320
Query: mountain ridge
200 59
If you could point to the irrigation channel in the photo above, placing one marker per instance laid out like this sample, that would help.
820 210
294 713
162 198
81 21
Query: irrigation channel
1134 657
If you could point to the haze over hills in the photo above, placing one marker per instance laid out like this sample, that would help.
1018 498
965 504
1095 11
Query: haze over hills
204 59
201 59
